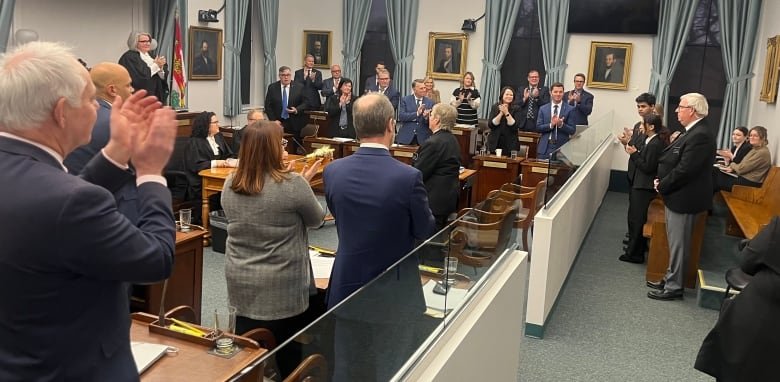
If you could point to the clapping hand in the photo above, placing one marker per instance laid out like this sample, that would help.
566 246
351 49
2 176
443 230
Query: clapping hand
526 93
535 92
160 61
630 149
503 109
312 75
309 172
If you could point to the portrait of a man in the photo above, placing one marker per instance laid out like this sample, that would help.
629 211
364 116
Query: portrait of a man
609 65
203 63
447 56
205 52
317 44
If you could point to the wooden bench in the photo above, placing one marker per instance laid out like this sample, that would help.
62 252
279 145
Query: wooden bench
751 208
658 257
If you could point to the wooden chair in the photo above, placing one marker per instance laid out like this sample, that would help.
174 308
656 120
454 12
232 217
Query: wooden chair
481 235
266 339
309 130
182 313
532 201
312 369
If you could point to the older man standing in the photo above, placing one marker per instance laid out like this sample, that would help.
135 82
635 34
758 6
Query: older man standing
331 85
685 183
439 161
67 252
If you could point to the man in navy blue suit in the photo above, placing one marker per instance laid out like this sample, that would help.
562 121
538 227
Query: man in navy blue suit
381 208
67 252
581 100
413 113
111 80
554 123
384 86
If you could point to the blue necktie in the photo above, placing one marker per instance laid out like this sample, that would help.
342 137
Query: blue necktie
285 115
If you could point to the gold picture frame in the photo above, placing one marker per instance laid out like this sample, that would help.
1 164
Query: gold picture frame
318 44
209 68
447 55
609 65
771 71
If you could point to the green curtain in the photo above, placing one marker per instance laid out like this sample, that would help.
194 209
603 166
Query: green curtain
269 21
235 23
355 14
739 21
674 24
6 16
553 20
162 14
500 17
402 27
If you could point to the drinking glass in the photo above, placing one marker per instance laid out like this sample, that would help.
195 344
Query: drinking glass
513 154
225 323
185 218
451 267
499 152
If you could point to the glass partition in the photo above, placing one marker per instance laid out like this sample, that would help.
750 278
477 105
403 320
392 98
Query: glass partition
377 332
565 162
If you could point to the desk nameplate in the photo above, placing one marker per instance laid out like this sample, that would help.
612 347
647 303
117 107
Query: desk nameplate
457 132
494 164
405 154
525 139
543 170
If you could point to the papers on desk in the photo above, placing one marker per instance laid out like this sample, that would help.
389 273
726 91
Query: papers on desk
322 265
145 354
722 167
342 139
435 302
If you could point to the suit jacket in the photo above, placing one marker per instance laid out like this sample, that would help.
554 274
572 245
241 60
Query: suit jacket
454 66
204 65
438 159
684 170
412 124
532 103
70 288
502 135
740 153
743 344
582 109
142 77
378 219
645 164
552 138
392 94
334 115
615 75
637 140
198 156
127 195
311 88
371 84
328 87
235 144
296 98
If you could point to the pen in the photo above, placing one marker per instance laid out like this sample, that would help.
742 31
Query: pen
188 326
180 329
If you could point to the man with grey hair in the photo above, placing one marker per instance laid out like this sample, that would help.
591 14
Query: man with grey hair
685 183
67 252
439 161
381 207
252 116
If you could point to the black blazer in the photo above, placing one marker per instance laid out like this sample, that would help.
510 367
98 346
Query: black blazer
334 113
542 99
198 156
645 164
502 135
439 161
296 99
684 170
637 140
743 150
311 88
142 77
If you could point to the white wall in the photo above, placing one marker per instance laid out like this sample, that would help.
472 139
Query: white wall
762 113
206 95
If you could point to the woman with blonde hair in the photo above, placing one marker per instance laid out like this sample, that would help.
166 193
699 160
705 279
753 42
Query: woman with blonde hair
430 91
466 100
146 72
268 209
753 168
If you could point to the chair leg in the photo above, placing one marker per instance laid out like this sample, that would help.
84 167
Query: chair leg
726 295
525 239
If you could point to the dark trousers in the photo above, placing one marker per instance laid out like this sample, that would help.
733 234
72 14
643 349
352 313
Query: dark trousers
639 200
527 124
724 182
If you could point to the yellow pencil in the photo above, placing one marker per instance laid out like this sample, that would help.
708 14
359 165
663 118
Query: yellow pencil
188 326
183 330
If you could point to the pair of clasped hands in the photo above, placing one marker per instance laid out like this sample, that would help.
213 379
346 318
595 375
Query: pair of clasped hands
528 92
306 172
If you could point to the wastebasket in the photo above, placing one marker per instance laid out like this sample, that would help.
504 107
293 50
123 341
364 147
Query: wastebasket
218 223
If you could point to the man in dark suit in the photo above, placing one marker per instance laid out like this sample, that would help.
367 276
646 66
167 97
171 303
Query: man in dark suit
449 63
203 63
372 82
285 101
413 113
331 85
534 96
111 81
384 86
252 116
311 80
67 251
378 219
685 183
554 123
439 161
581 99
612 71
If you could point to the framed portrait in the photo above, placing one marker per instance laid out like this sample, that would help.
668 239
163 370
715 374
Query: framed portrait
317 43
771 71
610 65
205 53
447 55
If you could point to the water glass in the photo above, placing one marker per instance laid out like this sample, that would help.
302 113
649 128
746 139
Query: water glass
225 323
499 152
185 218
513 154
451 267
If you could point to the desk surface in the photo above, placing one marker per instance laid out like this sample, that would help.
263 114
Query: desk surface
192 363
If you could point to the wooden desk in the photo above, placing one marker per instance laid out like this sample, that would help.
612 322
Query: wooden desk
185 123
529 139
214 180
467 179
185 283
320 118
467 140
193 363
535 170
404 153
493 172
312 143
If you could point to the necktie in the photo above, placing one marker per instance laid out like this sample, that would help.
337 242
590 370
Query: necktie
555 110
308 73
531 114
285 115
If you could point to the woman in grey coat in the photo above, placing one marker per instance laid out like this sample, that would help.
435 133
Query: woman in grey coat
268 208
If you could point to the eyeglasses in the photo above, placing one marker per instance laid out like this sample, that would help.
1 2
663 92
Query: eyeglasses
579 81
683 107
214 122
144 41
284 142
